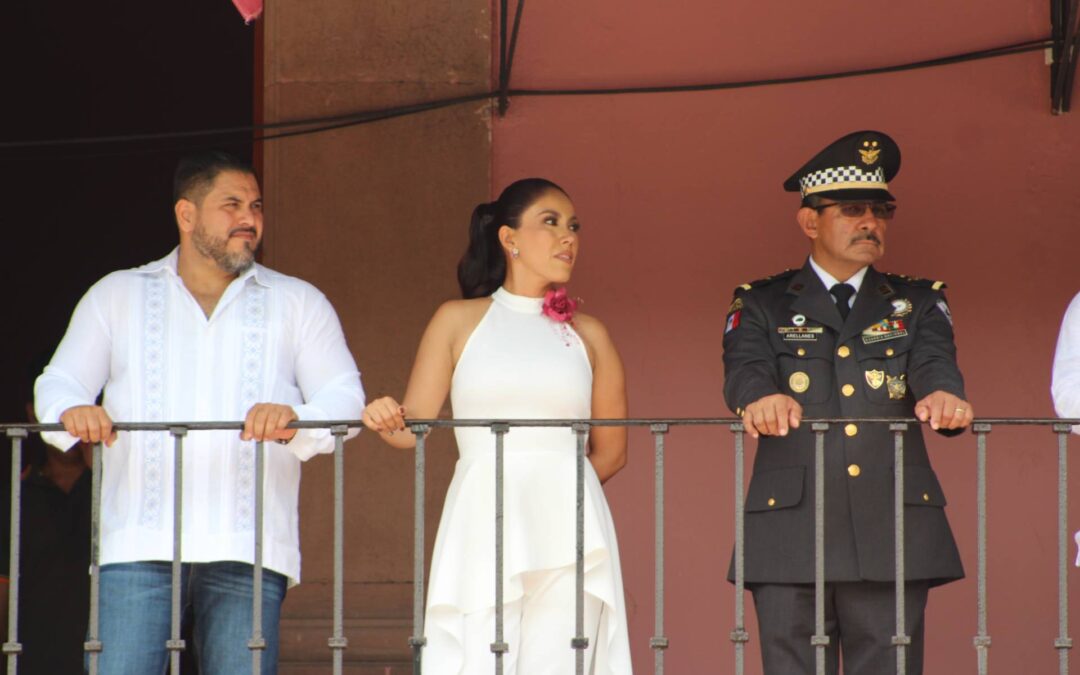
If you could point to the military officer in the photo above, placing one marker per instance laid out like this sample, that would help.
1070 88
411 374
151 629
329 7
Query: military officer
837 338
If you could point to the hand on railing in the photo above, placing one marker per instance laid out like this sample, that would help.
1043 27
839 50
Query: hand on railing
268 422
944 411
90 423
772 415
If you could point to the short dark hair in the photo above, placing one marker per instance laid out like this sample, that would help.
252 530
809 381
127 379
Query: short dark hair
195 173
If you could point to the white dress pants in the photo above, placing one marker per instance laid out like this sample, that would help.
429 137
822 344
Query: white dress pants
537 628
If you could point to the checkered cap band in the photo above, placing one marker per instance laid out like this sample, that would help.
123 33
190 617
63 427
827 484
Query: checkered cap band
849 176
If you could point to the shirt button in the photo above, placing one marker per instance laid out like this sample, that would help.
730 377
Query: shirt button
801 352
853 470
843 352
851 430
847 390
772 502
889 351
925 497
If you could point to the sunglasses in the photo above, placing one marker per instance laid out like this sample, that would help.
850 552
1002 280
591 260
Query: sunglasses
882 210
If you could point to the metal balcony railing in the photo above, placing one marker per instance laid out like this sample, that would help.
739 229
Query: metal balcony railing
659 428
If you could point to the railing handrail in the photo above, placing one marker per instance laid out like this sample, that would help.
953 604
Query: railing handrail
6 428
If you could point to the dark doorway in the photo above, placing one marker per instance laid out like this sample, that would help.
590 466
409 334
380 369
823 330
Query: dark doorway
72 214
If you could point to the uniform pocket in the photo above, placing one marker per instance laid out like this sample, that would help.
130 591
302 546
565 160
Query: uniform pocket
775 489
921 487
884 369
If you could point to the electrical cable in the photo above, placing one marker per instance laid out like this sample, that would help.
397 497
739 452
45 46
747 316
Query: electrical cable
327 123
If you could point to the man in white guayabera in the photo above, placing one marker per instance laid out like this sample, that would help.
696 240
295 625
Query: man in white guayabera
204 334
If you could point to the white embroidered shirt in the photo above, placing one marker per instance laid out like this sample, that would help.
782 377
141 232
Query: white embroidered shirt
142 338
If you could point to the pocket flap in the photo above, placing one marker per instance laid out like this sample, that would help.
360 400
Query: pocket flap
775 489
921 487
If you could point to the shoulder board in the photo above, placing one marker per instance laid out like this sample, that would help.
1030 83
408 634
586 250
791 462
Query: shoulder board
915 281
786 274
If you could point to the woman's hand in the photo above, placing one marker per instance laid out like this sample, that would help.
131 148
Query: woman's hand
384 415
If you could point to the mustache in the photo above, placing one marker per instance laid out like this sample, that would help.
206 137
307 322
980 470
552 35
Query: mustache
243 230
869 236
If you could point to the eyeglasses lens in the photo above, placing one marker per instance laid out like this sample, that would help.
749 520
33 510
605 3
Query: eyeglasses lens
882 210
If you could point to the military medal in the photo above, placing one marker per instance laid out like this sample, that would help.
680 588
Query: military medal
901 307
875 378
798 319
897 387
799 382
885 329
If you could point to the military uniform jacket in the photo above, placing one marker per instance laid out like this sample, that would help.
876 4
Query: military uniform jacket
785 335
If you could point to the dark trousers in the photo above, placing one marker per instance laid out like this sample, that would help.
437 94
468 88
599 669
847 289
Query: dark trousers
860 620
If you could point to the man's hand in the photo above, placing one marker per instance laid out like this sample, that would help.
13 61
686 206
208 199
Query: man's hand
944 411
267 422
90 423
772 415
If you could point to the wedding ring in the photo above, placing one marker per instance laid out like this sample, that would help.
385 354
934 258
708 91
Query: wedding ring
959 410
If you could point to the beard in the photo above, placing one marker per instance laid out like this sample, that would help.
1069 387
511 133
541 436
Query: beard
217 249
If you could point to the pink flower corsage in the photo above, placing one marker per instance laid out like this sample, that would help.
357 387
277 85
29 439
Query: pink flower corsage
560 307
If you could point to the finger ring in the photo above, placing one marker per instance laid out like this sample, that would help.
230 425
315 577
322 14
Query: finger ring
959 410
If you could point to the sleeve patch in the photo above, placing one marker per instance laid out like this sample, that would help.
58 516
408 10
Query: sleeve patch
944 307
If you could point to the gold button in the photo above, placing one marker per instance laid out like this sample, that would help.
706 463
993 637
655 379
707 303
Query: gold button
925 497
801 352
847 390
772 502
889 351
851 430
853 470
843 352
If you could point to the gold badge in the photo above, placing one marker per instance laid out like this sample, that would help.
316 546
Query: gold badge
897 387
870 152
736 305
875 378
799 382
901 307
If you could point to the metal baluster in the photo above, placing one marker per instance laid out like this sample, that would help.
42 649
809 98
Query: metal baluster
12 647
982 639
257 643
819 640
1063 643
174 644
900 640
659 642
739 635
93 644
499 647
338 642
417 641
580 643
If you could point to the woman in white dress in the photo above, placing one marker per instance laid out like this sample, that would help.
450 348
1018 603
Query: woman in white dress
514 348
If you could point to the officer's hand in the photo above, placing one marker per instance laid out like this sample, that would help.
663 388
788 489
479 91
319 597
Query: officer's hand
267 422
90 423
944 411
384 415
772 415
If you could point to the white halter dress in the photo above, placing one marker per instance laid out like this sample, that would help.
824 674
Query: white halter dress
519 364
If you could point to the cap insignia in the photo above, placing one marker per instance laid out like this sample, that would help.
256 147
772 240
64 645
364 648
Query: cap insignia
870 152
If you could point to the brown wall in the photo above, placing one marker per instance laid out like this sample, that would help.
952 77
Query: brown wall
680 199
368 214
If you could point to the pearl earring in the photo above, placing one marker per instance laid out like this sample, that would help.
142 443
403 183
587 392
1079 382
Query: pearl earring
514 252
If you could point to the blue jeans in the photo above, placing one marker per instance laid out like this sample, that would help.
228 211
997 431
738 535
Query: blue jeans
136 616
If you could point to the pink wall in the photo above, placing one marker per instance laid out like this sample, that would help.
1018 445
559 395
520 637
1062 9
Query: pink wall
680 200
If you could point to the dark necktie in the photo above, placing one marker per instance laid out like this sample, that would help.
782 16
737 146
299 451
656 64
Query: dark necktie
843 293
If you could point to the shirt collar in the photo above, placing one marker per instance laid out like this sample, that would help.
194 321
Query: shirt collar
168 265
829 280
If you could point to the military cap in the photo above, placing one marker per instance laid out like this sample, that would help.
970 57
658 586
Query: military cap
857 167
